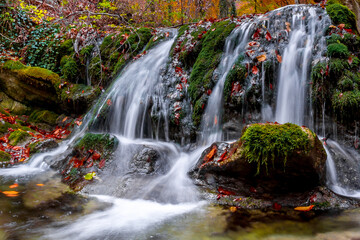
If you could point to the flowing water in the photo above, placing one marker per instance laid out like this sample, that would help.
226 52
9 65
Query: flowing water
166 204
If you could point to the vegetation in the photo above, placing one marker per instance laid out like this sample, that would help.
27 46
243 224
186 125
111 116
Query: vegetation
4 156
262 143
98 142
338 50
43 116
341 14
18 136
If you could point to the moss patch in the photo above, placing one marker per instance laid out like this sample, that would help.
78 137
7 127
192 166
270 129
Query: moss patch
346 105
262 143
4 156
338 50
98 142
341 14
237 74
43 116
18 136
13 65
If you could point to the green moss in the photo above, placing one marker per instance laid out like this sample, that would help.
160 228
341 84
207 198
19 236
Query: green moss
237 74
155 40
338 50
13 65
262 143
86 51
69 69
43 116
341 14
349 82
98 142
32 147
198 110
4 156
41 74
208 59
346 105
18 136
66 48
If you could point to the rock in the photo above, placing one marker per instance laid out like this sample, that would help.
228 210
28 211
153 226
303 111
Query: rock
12 105
144 161
268 158
43 146
19 137
32 86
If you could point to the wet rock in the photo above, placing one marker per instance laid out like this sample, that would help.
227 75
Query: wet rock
43 146
268 158
144 162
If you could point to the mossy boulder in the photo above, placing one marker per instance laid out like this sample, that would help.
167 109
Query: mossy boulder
338 50
18 137
32 86
4 156
277 158
13 106
69 69
341 14
43 116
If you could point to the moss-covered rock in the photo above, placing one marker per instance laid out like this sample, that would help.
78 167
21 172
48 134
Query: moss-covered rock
32 86
97 142
4 156
13 106
338 50
18 137
346 106
43 116
275 157
341 14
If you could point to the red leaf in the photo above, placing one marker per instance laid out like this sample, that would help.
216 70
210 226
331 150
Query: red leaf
108 102
96 156
225 192
268 36
253 190
277 206
102 163
279 58
271 86
255 70
178 70
350 60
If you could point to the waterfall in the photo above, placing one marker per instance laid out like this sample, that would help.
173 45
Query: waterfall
212 118
295 68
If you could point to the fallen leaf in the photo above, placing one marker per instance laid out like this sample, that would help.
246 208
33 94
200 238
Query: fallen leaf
233 209
304 209
211 154
279 58
277 206
261 58
215 120
288 26
341 26
102 163
65 118
268 36
255 70
15 185
89 176
225 192
40 185
108 102
350 60
341 95
11 193
167 34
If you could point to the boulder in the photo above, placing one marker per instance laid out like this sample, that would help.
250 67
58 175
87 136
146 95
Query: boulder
271 158
32 86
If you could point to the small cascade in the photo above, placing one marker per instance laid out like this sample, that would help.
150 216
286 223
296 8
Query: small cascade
303 47
212 118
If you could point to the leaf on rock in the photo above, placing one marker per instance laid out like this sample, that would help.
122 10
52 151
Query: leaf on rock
89 176
304 209
279 58
350 60
261 58
255 70
288 26
108 102
268 36
15 185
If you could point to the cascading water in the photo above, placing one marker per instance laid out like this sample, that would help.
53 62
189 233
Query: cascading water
304 45
211 123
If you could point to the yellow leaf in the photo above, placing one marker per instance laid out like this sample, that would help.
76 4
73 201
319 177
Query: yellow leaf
233 209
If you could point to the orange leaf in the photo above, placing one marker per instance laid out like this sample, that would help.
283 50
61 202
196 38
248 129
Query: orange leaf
108 102
288 26
65 118
304 209
341 26
279 58
215 120
261 58
211 154
233 209
40 184
15 185
11 193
